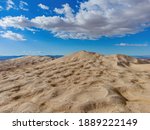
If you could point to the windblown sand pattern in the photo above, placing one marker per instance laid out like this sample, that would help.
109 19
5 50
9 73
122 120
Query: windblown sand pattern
81 82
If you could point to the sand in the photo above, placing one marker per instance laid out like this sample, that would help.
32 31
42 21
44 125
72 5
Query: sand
81 82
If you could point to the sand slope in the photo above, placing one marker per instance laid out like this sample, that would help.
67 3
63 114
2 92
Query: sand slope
81 82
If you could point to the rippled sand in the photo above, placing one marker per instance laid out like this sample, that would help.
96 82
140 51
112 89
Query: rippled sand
81 82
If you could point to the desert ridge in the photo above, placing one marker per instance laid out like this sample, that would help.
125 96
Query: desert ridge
80 82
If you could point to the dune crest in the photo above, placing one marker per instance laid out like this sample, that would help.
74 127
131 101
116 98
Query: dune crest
81 82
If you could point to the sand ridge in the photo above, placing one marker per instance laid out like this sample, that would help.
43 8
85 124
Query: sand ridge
80 82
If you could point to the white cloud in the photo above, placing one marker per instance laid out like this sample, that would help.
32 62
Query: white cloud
42 6
23 6
97 18
13 36
10 5
93 20
19 22
1 8
66 10
131 45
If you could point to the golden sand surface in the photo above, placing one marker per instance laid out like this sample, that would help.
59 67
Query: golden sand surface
81 82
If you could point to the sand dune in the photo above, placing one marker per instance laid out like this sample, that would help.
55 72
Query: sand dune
81 82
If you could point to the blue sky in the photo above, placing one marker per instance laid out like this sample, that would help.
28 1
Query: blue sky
61 27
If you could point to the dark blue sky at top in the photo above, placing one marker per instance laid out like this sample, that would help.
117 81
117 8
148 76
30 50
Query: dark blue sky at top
44 43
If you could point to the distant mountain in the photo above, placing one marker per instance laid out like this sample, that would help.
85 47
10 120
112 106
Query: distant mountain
143 57
2 58
59 56
8 57
54 56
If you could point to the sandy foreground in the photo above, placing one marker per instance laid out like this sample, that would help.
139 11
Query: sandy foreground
81 82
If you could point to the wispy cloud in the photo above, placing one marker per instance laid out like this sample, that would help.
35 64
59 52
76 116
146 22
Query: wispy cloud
33 53
1 32
42 6
131 45
1 8
23 6
13 36
10 5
